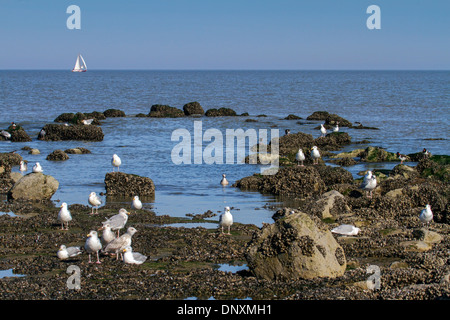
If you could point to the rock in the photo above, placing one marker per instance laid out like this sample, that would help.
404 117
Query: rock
56 132
78 150
403 170
34 186
292 117
344 162
222 112
416 246
437 167
193 108
295 247
164 111
427 236
289 144
34 151
377 154
57 155
18 134
294 181
77 118
350 154
330 119
128 185
10 159
333 141
334 175
114 113
330 205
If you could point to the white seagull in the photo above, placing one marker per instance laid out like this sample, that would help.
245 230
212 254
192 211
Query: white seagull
136 204
300 157
87 121
116 162
118 221
64 216
369 183
346 229
120 243
226 219
23 167
323 130
107 234
37 168
93 245
6 134
94 201
336 128
66 253
224 180
426 215
133 257
315 154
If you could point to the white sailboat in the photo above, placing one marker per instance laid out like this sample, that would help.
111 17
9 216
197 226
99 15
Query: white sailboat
80 65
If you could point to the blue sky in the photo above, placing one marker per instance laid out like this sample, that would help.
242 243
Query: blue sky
212 34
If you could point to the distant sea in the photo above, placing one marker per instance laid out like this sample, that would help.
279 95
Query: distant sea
411 109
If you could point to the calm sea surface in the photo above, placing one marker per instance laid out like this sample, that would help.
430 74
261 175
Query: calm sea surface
408 107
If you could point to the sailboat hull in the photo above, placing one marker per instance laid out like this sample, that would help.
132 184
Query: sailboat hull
78 70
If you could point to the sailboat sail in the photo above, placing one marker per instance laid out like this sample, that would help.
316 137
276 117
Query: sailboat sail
80 66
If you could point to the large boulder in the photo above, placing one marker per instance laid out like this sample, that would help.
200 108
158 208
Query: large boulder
164 111
128 185
56 132
295 247
34 186
193 109
221 112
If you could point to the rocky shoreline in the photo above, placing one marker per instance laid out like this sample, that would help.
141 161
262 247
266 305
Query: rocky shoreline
412 259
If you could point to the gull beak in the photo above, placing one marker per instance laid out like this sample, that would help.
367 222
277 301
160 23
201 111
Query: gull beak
128 213
88 235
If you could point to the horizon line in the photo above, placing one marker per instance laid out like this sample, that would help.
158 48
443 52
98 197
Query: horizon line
223 69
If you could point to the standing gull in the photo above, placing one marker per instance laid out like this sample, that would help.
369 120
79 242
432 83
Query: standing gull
23 167
64 216
37 168
336 128
346 229
224 180
133 257
94 201
315 154
87 122
92 245
120 243
323 130
300 157
116 162
226 220
107 234
426 215
6 134
66 253
118 221
136 204
369 183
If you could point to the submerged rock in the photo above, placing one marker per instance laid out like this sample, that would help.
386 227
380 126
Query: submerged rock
114 113
193 108
78 150
330 118
295 247
222 112
34 186
377 154
165 111
55 132
129 185
18 134
57 155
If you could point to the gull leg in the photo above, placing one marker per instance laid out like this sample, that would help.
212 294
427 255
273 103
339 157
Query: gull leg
98 259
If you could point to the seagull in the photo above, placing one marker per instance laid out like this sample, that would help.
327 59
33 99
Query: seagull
37 168
23 167
336 128
369 183
224 180
118 221
107 234
136 204
13 125
426 215
300 156
66 253
133 257
87 122
315 154
41 134
226 220
6 134
402 157
94 201
116 162
64 216
92 245
287 131
121 242
346 229
323 130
